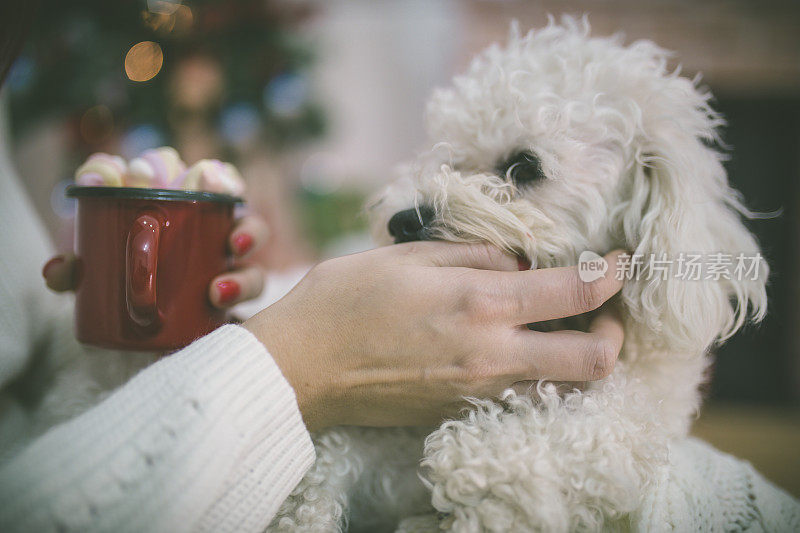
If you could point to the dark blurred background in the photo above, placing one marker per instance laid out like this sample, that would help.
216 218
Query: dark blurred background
316 101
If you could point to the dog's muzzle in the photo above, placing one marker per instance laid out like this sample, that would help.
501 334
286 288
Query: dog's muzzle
411 224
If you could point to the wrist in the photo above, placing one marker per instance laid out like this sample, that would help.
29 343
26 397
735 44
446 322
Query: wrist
289 348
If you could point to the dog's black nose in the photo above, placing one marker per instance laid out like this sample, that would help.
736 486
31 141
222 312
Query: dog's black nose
411 224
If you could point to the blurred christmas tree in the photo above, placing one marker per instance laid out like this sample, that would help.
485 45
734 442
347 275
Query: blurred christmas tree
132 74
214 78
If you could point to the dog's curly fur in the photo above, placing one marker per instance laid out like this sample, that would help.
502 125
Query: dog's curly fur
627 152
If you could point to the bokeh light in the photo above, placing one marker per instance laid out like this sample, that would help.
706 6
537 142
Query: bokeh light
143 61
240 124
166 7
184 18
62 206
176 22
197 82
158 22
286 94
96 124
140 138
21 74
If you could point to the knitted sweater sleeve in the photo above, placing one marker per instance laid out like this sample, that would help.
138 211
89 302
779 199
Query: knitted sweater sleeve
207 439
703 489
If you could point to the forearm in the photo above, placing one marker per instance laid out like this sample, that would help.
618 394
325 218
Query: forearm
209 438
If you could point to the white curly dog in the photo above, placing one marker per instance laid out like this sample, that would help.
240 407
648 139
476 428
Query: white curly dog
552 145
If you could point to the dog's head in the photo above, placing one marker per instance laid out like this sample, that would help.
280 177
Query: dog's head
560 143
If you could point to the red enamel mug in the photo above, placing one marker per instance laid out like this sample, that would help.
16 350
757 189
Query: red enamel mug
145 259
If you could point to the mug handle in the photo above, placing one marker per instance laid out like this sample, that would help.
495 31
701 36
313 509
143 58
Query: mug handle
141 263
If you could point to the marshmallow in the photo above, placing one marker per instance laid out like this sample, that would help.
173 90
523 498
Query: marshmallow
160 168
102 170
157 168
212 175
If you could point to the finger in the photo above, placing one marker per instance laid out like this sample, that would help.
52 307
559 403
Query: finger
608 325
480 256
550 293
59 273
569 355
250 233
230 288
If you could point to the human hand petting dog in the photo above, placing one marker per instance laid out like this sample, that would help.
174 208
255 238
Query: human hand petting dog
226 290
400 335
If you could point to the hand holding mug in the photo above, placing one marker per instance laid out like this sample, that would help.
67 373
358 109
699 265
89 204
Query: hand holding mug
244 282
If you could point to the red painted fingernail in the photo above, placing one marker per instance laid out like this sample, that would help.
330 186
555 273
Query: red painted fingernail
523 263
243 242
228 290
57 260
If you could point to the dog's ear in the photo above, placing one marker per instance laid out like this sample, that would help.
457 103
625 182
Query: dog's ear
678 204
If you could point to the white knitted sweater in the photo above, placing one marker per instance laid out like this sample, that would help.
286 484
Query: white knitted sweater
210 438
704 489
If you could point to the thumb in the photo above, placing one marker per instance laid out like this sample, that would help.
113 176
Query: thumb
59 273
480 256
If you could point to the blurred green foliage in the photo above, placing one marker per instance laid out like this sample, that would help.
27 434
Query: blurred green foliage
328 217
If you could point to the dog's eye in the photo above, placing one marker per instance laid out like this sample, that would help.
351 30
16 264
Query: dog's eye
522 167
